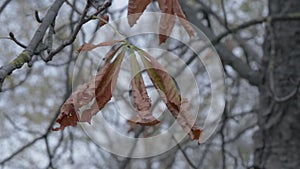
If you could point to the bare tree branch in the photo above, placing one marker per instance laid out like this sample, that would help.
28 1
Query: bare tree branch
249 51
126 161
44 135
226 55
184 154
20 150
4 5
224 13
27 54
289 17
13 86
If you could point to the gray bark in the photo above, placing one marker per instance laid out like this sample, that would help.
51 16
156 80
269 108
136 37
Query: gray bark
277 143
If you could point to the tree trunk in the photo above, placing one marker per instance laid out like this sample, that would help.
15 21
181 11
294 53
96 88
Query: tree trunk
277 143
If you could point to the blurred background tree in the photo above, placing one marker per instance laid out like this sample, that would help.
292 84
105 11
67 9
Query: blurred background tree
258 42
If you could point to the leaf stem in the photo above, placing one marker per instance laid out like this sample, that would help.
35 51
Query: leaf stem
111 26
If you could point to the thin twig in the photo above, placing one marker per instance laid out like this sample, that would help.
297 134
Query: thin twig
21 149
12 36
82 21
50 165
4 5
276 18
224 13
222 133
73 7
68 92
240 133
37 17
28 73
11 121
282 98
184 154
127 160
226 55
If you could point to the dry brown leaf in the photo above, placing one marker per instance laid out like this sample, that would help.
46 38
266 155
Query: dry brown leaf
67 117
69 111
109 71
161 80
167 21
142 101
87 92
135 10
186 120
108 79
167 89
88 46
178 11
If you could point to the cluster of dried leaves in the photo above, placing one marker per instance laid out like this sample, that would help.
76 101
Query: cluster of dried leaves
98 91
91 97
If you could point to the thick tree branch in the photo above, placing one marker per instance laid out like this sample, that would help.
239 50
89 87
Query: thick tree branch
289 17
27 54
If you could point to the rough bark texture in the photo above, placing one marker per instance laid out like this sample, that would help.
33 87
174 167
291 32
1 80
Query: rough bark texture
277 143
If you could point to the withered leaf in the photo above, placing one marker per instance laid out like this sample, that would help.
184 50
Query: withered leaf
106 77
69 111
167 21
142 101
161 80
67 117
167 89
135 10
186 120
178 11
